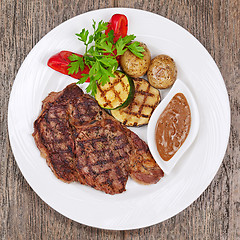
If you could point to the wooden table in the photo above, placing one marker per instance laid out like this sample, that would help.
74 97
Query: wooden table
215 214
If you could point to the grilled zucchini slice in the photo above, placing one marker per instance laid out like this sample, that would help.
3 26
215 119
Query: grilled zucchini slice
117 93
139 111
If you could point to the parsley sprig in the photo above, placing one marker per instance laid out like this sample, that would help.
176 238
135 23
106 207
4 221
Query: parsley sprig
100 55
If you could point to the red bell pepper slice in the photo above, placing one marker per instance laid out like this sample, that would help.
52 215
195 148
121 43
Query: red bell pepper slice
60 63
119 24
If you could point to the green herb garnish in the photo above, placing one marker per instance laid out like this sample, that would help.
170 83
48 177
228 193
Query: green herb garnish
100 55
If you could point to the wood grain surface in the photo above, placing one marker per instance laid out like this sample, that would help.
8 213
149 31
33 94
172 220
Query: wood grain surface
215 214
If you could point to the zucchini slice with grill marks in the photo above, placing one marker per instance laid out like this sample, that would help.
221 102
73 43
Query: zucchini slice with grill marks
139 111
117 93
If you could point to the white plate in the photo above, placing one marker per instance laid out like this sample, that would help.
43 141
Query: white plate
139 206
178 87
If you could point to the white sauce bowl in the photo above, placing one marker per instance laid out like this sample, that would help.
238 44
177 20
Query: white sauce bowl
178 87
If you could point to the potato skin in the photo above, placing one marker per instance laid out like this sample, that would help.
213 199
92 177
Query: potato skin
162 72
134 66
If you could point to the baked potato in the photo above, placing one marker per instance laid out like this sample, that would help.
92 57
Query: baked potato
162 72
133 65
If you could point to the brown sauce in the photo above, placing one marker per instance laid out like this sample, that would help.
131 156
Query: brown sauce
173 126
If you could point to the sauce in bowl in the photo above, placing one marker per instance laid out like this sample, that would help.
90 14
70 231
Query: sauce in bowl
173 126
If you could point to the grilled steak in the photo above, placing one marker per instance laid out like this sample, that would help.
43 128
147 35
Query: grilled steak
102 156
53 133
81 142
142 167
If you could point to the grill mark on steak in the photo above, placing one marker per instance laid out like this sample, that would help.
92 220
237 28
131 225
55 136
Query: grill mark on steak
52 130
103 159
81 142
